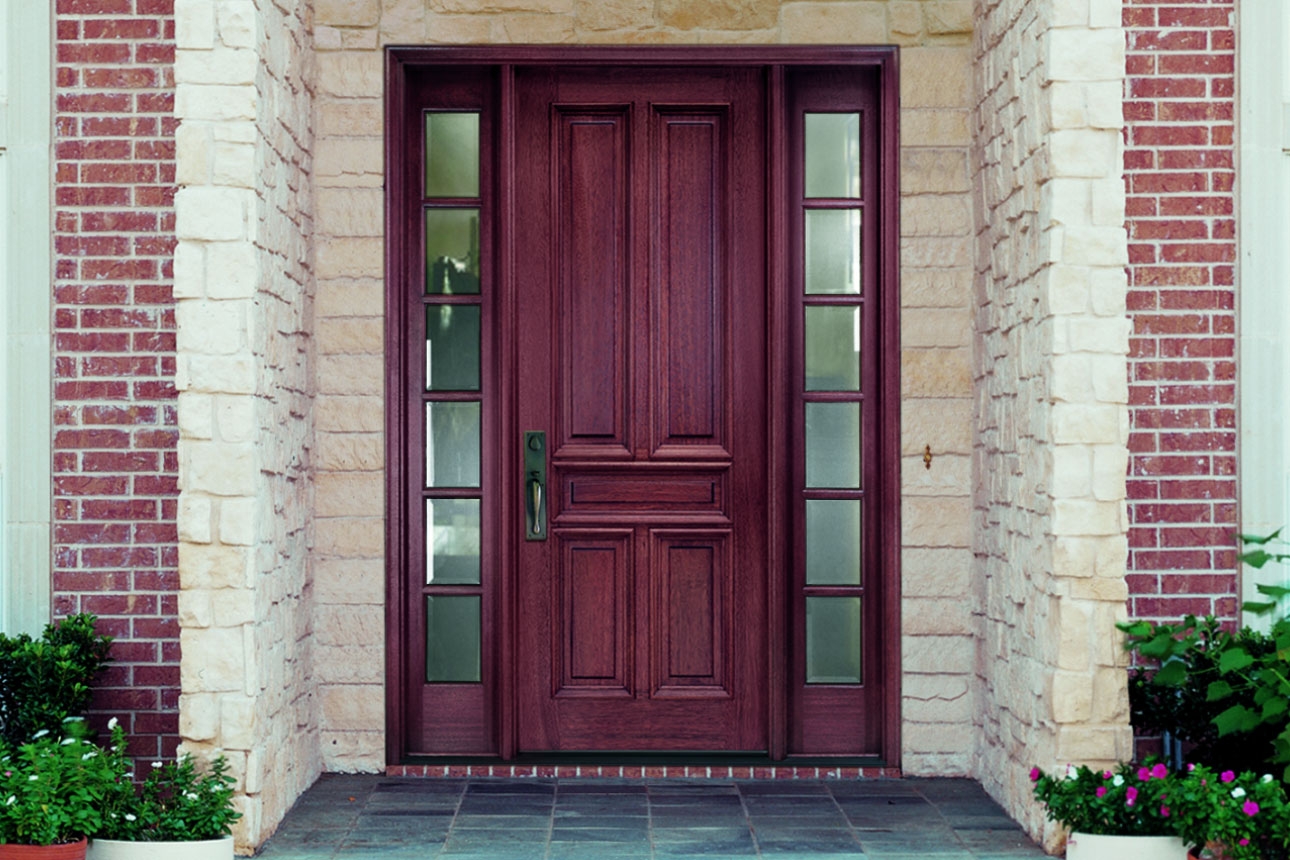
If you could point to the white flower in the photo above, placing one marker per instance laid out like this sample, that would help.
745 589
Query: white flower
40 734
13 798
156 764
73 719
112 724
87 756
32 778
1238 792
1117 781
1071 772
129 817
192 795
68 741
1267 777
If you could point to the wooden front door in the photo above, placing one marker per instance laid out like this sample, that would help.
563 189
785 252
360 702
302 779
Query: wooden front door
642 340
642 390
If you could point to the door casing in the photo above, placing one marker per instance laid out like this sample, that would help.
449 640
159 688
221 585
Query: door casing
403 67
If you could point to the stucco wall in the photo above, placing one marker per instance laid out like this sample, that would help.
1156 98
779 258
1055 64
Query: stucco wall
936 281
1051 392
243 281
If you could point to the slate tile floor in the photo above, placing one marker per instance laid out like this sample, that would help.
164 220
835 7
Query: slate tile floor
603 819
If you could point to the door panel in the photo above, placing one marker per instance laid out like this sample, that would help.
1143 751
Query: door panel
645 247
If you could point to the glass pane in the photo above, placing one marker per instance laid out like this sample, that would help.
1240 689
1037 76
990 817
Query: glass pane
833 155
452 251
833 251
452 155
833 542
452 541
452 444
452 638
452 347
833 445
833 640
832 348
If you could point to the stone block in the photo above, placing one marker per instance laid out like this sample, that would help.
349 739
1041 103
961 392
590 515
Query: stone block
1110 465
350 212
937 655
195 608
929 738
350 118
233 270
1082 423
1087 153
219 66
458 29
213 327
904 24
194 519
195 415
1087 517
354 707
720 14
935 572
350 581
345 297
921 616
346 414
220 469
936 522
194 25
349 664
349 336
350 537
935 327
350 374
352 74
213 660
234 165
1076 54
192 155
349 494
353 751
943 423
351 258
238 23
1072 697
212 214
1095 246
949 17
934 171
936 215
936 77
949 475
933 288
352 162
1073 633
343 625
1097 746
238 519
349 452
536 28
235 418
935 373
216 102
348 13
238 722
198 716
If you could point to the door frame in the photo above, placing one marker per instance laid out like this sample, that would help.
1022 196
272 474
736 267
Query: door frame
498 65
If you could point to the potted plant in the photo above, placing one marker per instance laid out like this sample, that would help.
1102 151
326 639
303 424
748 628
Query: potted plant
1235 816
52 791
1126 814
178 810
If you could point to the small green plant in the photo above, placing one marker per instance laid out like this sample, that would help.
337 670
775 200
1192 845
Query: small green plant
43 681
1225 693
52 788
1129 801
1247 816
175 802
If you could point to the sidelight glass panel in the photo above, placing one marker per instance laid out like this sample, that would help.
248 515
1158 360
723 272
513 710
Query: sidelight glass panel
832 348
833 251
452 541
833 445
452 444
452 155
452 251
833 640
452 638
833 542
833 155
452 347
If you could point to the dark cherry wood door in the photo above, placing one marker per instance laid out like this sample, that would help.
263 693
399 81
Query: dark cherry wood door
641 336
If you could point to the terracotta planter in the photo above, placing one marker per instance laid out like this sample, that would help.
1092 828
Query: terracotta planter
208 849
1085 846
64 851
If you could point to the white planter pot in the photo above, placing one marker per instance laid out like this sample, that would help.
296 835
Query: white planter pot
1085 846
112 849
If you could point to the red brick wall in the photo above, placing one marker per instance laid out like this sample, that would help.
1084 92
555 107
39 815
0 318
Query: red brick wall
115 432
1179 163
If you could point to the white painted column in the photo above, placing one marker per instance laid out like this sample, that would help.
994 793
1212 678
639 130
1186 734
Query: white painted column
1263 276
26 38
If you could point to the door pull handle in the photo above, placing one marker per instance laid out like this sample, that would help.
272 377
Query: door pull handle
534 485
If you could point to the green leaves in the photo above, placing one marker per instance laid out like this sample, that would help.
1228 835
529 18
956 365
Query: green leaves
43 681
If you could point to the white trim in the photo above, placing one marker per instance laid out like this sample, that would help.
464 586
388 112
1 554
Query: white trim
1263 295
26 220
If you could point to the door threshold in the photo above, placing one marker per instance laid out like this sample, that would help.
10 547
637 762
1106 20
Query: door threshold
646 766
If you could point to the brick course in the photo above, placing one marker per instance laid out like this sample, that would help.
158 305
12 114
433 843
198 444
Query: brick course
115 467
1179 167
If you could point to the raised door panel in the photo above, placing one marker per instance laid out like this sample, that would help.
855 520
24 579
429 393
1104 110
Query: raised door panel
594 612
693 581
590 163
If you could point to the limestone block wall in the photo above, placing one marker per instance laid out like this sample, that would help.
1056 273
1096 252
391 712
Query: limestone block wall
243 283
1051 391
936 260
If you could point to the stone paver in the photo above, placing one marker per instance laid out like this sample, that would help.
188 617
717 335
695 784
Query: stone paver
600 819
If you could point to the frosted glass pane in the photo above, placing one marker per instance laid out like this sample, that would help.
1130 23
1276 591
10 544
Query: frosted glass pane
452 155
452 251
832 348
833 445
452 444
833 155
833 542
452 541
833 251
452 347
452 638
833 640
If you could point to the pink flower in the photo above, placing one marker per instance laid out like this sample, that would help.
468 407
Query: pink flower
1132 794
1227 776
1164 811
1101 791
1159 772
1249 807
1106 774
1144 774
1243 841
1034 774
1190 767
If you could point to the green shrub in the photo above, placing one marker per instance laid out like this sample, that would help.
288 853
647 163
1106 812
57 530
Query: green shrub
44 681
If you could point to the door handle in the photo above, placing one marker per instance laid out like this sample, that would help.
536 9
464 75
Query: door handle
534 485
